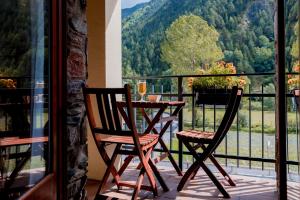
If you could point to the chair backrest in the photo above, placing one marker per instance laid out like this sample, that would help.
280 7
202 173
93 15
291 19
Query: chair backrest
16 109
229 115
108 112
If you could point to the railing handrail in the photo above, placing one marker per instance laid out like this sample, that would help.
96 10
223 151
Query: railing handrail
205 75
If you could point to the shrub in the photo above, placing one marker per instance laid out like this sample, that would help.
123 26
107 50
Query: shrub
218 82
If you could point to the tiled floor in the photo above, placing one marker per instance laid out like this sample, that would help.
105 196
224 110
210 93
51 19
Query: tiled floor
248 188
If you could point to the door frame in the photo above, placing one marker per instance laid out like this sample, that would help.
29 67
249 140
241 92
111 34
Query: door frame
52 185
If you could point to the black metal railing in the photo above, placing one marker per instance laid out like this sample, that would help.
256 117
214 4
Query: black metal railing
22 90
251 140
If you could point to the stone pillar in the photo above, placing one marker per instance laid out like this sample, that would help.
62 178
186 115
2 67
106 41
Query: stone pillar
76 76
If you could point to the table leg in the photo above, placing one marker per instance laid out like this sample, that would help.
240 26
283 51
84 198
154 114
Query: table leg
163 145
165 148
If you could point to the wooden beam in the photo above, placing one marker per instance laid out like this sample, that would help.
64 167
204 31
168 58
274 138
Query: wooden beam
281 167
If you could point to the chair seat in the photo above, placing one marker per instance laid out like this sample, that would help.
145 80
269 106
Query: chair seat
145 139
196 136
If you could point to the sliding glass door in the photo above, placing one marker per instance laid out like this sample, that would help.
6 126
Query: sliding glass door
27 132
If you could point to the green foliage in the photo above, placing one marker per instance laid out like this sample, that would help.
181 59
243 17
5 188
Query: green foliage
190 42
243 120
269 102
18 38
295 45
218 82
245 27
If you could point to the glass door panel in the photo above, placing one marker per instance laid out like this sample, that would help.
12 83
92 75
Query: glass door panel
24 99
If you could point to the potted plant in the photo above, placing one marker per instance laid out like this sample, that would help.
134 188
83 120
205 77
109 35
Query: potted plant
216 89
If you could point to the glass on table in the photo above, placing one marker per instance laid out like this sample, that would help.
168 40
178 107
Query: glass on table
142 88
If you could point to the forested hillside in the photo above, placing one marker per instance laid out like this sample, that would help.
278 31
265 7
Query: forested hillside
245 27
18 41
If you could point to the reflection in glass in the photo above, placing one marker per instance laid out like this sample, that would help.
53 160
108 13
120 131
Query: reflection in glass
23 95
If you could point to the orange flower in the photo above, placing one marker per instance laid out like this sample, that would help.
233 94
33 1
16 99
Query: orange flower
229 65
190 82
296 68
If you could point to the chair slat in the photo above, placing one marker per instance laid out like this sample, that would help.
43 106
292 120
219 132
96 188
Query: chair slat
113 132
115 112
108 112
101 111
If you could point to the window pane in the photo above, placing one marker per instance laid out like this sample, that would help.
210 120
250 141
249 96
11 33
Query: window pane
24 125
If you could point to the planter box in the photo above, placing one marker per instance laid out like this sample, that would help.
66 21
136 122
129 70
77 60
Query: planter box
212 96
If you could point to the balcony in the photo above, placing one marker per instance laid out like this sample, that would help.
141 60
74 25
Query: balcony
248 151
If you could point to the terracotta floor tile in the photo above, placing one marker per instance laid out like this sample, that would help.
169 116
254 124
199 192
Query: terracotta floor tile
248 188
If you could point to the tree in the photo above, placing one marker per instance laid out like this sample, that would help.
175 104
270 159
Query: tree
190 42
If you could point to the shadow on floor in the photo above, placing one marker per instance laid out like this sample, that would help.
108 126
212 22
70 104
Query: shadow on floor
248 188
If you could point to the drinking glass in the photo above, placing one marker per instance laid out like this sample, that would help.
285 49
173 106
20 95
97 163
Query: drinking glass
142 87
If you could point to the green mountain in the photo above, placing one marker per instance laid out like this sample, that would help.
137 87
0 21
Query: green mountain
128 11
246 29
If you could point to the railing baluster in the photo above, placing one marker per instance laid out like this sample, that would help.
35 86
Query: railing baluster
297 138
203 117
237 138
180 122
135 98
171 125
262 127
250 131
287 138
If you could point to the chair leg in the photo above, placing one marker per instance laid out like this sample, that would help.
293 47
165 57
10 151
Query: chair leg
104 181
125 164
222 171
187 175
195 173
200 162
138 184
110 167
215 180
220 168
18 168
148 169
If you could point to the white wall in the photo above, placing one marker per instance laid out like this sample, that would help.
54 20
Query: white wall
113 43
104 61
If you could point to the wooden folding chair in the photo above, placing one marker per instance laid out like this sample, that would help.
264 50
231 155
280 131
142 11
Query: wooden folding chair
209 141
112 132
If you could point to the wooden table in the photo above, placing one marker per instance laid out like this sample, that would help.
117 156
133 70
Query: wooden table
158 118
17 141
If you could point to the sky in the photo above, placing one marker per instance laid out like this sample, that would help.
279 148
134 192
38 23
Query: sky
131 3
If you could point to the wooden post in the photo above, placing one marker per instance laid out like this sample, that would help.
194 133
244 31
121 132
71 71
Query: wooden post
281 168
